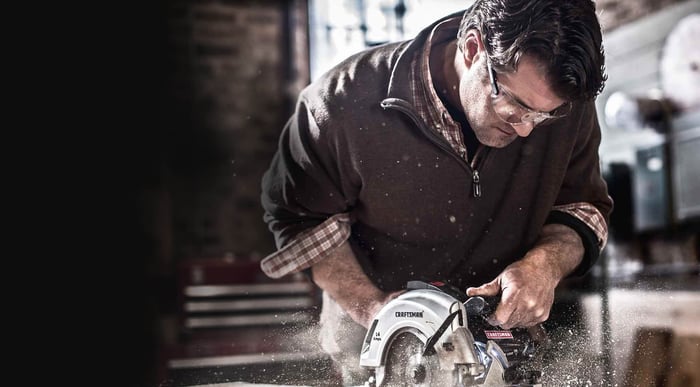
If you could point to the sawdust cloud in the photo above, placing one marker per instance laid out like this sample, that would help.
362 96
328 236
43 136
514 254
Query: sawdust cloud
571 359
569 362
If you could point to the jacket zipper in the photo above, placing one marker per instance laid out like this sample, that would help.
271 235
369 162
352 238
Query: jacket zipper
479 157
481 152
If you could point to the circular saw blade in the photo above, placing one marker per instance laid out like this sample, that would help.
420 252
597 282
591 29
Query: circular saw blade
406 366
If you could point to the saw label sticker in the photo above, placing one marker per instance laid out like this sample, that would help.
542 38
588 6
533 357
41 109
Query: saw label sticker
409 314
498 335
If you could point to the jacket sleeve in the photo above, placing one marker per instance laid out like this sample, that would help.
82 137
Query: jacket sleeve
304 204
583 202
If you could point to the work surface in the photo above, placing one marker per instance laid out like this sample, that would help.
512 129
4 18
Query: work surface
648 309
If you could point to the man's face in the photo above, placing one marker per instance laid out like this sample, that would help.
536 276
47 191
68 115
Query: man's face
526 88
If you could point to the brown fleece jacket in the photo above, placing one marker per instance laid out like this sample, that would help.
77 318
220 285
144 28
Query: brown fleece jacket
356 145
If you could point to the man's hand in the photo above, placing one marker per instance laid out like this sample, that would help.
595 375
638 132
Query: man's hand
527 294
527 286
341 276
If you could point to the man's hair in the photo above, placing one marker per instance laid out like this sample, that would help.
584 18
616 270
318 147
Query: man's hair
564 36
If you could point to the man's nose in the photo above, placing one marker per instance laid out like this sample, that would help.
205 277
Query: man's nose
524 129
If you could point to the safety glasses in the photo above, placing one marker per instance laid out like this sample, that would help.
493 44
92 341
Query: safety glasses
513 112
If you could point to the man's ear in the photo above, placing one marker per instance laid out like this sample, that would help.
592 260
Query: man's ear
473 47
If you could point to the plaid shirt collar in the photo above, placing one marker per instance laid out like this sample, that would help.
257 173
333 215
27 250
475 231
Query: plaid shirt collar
424 97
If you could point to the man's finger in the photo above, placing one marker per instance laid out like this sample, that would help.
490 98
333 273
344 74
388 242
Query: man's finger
538 316
503 315
488 289
526 317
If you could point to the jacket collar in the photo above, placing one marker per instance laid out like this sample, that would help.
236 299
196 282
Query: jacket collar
409 61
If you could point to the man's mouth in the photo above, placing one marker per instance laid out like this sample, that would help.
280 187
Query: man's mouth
507 131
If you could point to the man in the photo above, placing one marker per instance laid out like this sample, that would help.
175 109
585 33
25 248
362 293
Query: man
468 155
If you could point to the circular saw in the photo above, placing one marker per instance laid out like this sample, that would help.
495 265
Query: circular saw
433 335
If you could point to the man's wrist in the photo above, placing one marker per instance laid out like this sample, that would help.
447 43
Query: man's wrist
559 249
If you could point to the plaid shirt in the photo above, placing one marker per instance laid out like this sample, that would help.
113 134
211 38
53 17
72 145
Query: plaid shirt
314 245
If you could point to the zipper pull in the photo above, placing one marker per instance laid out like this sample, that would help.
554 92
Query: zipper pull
476 187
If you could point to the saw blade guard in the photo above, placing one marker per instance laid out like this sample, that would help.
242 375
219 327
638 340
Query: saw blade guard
421 311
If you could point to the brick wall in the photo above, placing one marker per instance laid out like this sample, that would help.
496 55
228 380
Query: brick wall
231 82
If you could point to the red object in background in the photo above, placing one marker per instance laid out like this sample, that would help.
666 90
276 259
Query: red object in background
234 292
220 271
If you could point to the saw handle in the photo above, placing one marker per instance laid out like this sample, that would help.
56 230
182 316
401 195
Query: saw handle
481 306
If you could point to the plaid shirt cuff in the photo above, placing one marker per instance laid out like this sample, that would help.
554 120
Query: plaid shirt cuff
588 214
308 247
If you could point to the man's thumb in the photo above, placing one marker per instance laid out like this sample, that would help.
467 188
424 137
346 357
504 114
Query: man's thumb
488 289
